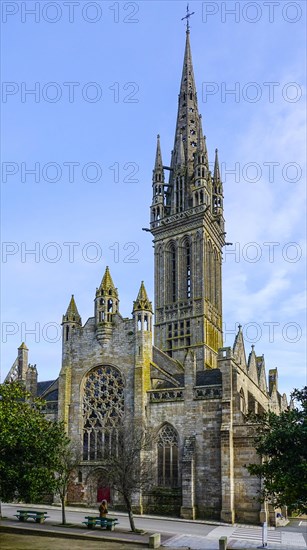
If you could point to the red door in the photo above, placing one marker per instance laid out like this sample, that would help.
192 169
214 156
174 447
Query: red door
103 493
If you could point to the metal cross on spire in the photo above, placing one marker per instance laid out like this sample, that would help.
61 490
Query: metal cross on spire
187 17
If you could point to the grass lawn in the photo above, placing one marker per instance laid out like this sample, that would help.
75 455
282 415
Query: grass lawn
10 541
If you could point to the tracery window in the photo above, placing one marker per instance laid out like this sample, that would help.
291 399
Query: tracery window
103 410
168 457
171 278
188 270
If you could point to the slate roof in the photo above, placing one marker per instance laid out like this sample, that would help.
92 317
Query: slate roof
52 396
43 386
203 378
208 377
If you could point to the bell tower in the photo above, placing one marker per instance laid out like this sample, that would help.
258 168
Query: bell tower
187 224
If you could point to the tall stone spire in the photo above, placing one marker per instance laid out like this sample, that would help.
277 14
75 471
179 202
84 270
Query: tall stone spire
188 116
187 224
179 195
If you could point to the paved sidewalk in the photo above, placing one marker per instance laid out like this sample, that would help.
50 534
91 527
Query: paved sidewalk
239 537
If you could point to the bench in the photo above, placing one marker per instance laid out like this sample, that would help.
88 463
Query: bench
38 516
108 523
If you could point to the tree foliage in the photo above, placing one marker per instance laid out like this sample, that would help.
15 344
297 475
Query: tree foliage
129 468
281 442
29 446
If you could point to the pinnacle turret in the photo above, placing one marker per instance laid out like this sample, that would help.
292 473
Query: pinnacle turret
23 346
202 144
107 286
142 302
106 305
158 161
72 314
157 208
217 192
216 173
158 173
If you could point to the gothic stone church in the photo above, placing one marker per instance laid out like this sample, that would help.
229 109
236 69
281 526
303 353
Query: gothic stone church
174 375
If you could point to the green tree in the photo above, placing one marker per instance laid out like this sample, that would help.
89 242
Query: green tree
281 442
29 446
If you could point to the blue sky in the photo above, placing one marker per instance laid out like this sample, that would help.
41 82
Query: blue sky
130 54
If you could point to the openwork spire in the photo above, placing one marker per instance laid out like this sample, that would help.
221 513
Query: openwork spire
188 116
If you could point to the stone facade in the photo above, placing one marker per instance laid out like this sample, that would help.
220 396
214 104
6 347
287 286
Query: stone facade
189 388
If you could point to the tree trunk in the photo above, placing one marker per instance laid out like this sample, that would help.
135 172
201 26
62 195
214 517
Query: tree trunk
0 509
130 514
63 510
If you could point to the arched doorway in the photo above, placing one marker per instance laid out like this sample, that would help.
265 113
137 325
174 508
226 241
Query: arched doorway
103 493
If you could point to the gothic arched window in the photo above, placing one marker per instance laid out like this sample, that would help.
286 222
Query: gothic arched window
159 279
103 410
217 287
186 269
171 272
210 271
168 457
